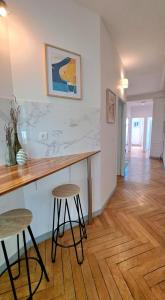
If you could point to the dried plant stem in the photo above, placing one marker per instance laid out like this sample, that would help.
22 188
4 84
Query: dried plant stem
14 113
8 134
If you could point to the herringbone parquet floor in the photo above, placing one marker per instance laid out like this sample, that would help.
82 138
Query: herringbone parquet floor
125 250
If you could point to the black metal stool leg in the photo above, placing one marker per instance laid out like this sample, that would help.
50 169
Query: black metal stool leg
38 253
64 218
79 218
9 269
19 261
27 265
19 265
79 261
57 233
82 217
54 211
63 229
81 228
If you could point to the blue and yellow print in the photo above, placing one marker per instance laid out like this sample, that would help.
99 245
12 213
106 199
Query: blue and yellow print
64 75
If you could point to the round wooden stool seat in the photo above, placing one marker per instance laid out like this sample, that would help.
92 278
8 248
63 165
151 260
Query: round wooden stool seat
13 222
66 190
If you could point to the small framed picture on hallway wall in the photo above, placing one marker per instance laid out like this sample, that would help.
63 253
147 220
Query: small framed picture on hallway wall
63 72
110 106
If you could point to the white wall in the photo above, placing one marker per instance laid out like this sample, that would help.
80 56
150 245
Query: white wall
136 109
142 111
14 199
60 23
6 88
111 69
68 25
157 128
63 24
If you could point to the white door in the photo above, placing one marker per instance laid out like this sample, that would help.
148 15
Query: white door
137 131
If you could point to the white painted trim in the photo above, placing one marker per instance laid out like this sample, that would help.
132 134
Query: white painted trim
154 95
162 85
156 157
121 137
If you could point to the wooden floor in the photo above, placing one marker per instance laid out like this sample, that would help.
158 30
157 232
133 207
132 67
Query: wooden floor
125 250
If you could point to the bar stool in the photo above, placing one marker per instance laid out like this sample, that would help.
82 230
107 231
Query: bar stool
12 223
63 194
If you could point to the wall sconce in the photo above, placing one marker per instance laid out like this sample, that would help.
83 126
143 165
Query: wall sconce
124 83
3 9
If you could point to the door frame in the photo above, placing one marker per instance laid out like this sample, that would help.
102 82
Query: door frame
121 137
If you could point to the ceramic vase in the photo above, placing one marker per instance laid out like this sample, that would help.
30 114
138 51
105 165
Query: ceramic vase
21 157
16 143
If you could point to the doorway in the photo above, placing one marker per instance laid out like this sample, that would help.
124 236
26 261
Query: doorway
137 132
139 128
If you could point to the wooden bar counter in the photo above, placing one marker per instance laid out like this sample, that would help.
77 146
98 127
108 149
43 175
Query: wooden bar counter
12 178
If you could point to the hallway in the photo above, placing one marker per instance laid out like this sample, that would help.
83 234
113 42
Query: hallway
138 209
138 160
125 250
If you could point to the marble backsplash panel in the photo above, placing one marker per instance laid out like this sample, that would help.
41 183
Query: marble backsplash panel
70 128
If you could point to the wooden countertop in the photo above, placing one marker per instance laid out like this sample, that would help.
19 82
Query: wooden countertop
12 178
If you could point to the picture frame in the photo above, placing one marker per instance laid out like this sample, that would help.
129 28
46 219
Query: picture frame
110 106
63 73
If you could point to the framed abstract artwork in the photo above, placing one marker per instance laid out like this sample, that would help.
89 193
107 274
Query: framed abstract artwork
110 106
63 70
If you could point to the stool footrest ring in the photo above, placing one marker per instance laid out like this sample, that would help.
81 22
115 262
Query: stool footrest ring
57 233
70 245
16 277
26 258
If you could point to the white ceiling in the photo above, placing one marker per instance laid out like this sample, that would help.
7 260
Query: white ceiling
138 29
144 103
